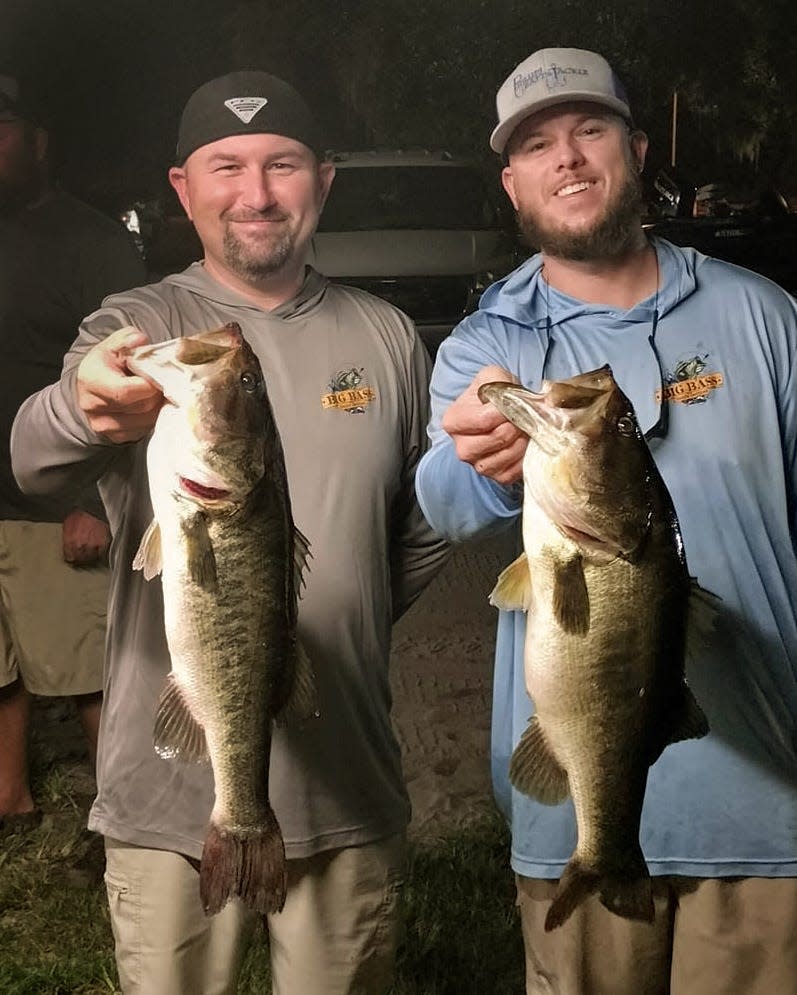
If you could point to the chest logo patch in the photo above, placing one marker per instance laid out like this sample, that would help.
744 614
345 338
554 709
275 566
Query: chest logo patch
349 392
689 383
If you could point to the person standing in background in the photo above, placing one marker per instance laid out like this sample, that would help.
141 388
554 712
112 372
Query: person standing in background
58 259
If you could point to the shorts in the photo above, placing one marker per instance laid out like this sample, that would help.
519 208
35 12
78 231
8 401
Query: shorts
52 614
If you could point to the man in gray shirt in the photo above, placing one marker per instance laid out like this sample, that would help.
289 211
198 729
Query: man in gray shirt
347 378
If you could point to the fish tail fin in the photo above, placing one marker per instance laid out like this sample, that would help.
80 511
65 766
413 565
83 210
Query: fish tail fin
251 866
627 891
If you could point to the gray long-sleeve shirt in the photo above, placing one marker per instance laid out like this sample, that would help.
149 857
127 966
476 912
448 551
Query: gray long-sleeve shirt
347 377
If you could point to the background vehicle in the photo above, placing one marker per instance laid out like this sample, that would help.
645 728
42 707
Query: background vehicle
757 232
415 227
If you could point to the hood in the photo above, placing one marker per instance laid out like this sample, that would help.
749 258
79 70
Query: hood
198 281
523 297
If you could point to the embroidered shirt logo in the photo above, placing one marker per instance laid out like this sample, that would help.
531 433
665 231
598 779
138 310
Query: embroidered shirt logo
348 392
245 108
689 383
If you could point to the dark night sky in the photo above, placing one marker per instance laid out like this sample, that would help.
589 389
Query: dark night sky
113 78
116 73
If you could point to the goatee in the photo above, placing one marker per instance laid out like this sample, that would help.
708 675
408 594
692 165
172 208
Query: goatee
254 264
612 236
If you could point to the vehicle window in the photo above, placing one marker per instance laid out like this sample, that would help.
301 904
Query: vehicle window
388 197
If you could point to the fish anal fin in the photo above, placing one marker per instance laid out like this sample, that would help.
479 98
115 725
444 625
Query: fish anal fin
302 702
626 891
177 734
512 591
571 597
248 865
199 550
149 556
301 554
534 769
690 720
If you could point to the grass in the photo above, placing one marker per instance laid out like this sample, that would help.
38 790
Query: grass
462 935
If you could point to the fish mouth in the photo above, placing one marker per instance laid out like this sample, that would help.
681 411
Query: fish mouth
203 492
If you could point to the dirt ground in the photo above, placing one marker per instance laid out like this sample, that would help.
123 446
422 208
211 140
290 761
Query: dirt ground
441 675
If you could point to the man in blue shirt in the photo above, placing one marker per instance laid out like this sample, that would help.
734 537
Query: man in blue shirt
706 353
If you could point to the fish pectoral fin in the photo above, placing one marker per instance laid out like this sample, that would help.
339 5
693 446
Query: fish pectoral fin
512 591
534 769
199 549
149 556
302 701
571 597
177 734
301 554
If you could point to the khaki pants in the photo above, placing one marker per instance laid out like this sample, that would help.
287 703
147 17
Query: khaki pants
337 934
731 936
52 618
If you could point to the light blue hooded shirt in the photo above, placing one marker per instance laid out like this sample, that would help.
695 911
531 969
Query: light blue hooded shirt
725 441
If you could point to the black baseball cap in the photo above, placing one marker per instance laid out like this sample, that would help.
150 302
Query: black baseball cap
248 102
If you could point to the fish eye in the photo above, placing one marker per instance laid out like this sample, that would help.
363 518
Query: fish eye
626 426
249 382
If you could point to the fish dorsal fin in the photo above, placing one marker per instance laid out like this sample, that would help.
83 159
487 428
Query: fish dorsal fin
177 734
149 557
534 769
199 550
302 700
571 597
301 554
512 591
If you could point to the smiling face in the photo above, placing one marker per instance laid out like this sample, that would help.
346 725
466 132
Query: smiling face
573 177
255 202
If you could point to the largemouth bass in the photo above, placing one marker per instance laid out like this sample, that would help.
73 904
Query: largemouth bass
604 581
231 561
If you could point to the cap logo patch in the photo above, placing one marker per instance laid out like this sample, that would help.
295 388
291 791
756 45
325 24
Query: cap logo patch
245 108
553 76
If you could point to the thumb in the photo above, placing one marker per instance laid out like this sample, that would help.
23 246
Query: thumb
491 374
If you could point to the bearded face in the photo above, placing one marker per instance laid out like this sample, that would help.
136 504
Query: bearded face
252 260
573 177
609 235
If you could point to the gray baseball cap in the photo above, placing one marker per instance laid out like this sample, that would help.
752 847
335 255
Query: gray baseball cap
555 76
248 102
